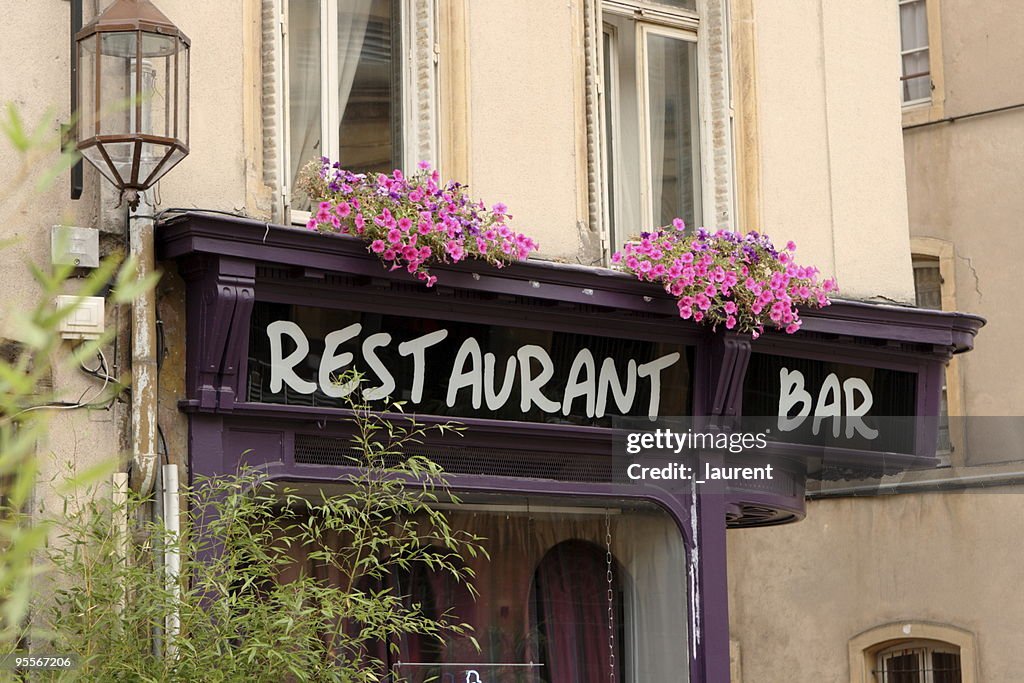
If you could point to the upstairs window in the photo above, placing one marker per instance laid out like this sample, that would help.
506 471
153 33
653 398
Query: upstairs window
928 294
360 85
652 151
915 73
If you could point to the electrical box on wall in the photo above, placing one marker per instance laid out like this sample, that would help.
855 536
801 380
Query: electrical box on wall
71 246
85 321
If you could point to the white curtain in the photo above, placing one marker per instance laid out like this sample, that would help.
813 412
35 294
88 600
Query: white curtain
304 96
306 72
353 17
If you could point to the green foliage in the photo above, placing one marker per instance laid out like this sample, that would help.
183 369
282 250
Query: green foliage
28 361
32 354
248 610
26 367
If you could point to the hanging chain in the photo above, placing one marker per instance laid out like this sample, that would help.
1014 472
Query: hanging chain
611 594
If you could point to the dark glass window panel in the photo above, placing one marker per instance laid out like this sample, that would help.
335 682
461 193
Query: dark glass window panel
945 667
369 95
894 394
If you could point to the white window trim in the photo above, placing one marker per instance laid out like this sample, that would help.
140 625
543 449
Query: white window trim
931 108
910 104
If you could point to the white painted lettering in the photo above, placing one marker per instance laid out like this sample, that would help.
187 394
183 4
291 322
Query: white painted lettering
282 370
530 386
387 380
462 377
576 386
855 413
332 361
609 380
653 370
415 348
496 399
828 405
792 392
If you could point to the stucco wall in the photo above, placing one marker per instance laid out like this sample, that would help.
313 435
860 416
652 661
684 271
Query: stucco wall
526 66
831 154
36 79
800 592
963 186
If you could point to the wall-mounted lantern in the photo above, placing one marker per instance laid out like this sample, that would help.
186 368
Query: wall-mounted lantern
133 70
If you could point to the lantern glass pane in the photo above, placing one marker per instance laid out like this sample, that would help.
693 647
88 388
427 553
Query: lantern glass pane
86 104
180 126
175 156
117 87
155 45
121 157
119 44
156 95
152 155
94 157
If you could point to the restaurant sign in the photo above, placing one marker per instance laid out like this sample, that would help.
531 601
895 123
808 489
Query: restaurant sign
831 403
299 355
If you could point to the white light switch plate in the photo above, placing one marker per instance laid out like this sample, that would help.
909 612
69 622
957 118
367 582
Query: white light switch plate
86 321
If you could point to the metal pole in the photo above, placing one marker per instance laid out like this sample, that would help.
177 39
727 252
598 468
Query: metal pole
144 371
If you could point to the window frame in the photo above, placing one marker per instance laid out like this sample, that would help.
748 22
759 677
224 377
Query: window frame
650 17
925 648
330 106
921 111
916 50
865 648
943 251
643 76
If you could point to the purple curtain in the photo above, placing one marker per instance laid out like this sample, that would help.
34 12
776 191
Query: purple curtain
571 604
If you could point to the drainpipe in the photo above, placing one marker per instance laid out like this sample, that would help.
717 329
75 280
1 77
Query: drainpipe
144 432
172 555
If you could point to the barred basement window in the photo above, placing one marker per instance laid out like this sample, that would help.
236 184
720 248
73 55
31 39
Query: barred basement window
919 662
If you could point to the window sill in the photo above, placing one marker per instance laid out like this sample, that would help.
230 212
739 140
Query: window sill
925 111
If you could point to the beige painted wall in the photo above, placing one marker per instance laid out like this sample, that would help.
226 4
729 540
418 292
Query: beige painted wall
963 186
800 592
831 154
526 99
35 78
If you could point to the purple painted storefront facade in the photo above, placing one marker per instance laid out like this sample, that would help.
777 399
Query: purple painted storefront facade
231 264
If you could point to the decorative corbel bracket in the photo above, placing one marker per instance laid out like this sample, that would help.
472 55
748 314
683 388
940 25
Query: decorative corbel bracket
730 356
220 301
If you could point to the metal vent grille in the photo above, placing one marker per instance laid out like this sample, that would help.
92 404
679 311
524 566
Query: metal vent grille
757 515
312 449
